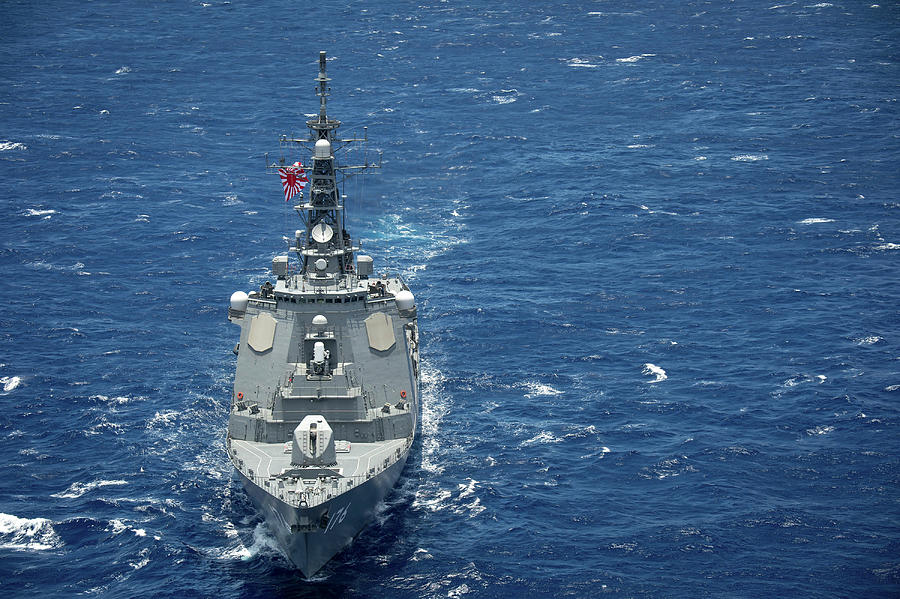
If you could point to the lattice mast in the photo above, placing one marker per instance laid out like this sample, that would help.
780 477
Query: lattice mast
325 249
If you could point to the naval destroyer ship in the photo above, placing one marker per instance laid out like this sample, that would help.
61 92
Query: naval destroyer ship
326 391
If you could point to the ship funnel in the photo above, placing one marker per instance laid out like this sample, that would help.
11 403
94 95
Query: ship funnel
313 443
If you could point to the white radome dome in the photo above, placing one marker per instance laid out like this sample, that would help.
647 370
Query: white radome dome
405 300
239 301
323 148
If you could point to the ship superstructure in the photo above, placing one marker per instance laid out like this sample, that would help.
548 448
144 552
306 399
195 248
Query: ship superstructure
326 391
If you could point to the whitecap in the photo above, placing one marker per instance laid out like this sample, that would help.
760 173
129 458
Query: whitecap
581 63
40 264
656 371
77 489
123 70
750 157
888 246
503 99
116 526
419 554
536 389
635 58
34 534
164 418
814 221
541 438
36 212
137 565
118 400
7 145
10 382
819 430
459 591
869 340
432 502
469 489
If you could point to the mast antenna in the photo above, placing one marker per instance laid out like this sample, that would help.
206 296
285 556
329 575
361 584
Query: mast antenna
323 88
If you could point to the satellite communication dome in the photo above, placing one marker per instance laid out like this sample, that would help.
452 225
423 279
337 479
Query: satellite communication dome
239 301
323 149
405 300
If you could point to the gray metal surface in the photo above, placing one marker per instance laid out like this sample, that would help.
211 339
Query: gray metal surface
326 396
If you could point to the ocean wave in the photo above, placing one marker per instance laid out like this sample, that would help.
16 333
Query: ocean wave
77 489
7 145
117 526
635 58
654 370
116 400
37 212
542 438
804 378
41 265
463 502
814 221
538 389
163 419
750 157
581 63
420 554
668 468
10 382
433 500
819 430
29 534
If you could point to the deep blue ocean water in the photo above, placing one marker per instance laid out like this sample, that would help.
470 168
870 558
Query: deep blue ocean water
655 248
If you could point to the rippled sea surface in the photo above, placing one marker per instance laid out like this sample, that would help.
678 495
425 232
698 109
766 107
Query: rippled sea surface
655 248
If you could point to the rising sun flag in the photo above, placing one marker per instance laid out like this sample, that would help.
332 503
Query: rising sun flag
293 179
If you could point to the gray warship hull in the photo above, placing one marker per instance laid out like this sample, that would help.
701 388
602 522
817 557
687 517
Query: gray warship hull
326 393
352 512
